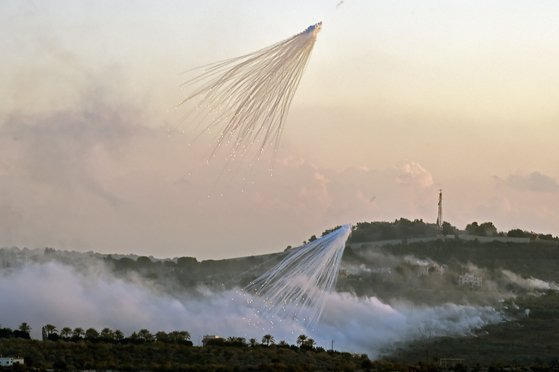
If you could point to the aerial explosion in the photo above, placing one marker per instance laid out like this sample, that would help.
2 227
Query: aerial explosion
246 99
297 286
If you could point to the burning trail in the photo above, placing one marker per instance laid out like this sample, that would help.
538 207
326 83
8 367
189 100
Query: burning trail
297 287
247 99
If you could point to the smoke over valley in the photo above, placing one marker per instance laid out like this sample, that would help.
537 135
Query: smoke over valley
386 296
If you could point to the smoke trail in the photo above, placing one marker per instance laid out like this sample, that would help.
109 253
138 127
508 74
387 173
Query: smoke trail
297 286
249 96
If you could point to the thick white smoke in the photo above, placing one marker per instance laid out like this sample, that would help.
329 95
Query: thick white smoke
530 283
55 293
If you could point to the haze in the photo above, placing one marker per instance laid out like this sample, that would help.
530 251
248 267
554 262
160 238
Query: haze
400 98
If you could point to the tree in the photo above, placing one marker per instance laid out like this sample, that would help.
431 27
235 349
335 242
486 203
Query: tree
253 342
179 336
185 336
328 231
484 229
118 335
448 229
91 334
301 340
309 343
50 329
143 261
24 327
145 335
472 228
107 334
268 340
78 333
186 261
236 341
546 237
517 233
66 332
487 229
7 332
162 336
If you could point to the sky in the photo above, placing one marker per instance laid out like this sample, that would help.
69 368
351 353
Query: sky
399 99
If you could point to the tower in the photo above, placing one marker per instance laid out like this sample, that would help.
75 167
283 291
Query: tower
440 214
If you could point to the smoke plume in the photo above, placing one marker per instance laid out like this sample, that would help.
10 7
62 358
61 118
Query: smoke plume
44 292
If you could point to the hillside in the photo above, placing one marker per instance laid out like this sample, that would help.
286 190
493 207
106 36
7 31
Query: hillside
523 340
66 355
405 265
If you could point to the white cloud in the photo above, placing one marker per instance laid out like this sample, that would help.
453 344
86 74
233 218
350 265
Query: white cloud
414 174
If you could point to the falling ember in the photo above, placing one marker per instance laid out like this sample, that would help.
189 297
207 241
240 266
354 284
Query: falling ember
247 98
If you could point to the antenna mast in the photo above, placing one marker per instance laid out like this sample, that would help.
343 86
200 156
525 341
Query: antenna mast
440 215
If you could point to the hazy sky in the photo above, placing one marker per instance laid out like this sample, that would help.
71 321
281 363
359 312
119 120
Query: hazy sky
400 98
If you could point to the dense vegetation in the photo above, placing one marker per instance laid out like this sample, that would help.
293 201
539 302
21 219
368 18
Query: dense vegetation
152 353
529 335
538 259
524 340
404 229
399 229
107 335
21 332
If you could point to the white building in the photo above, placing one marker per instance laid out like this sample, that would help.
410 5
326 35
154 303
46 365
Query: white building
9 361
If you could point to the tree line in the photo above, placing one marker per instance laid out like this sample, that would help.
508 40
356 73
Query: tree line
403 228
21 332
51 333
107 335
303 342
488 229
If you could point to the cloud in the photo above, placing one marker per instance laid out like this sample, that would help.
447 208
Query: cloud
331 197
534 181
415 175
58 150
101 177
